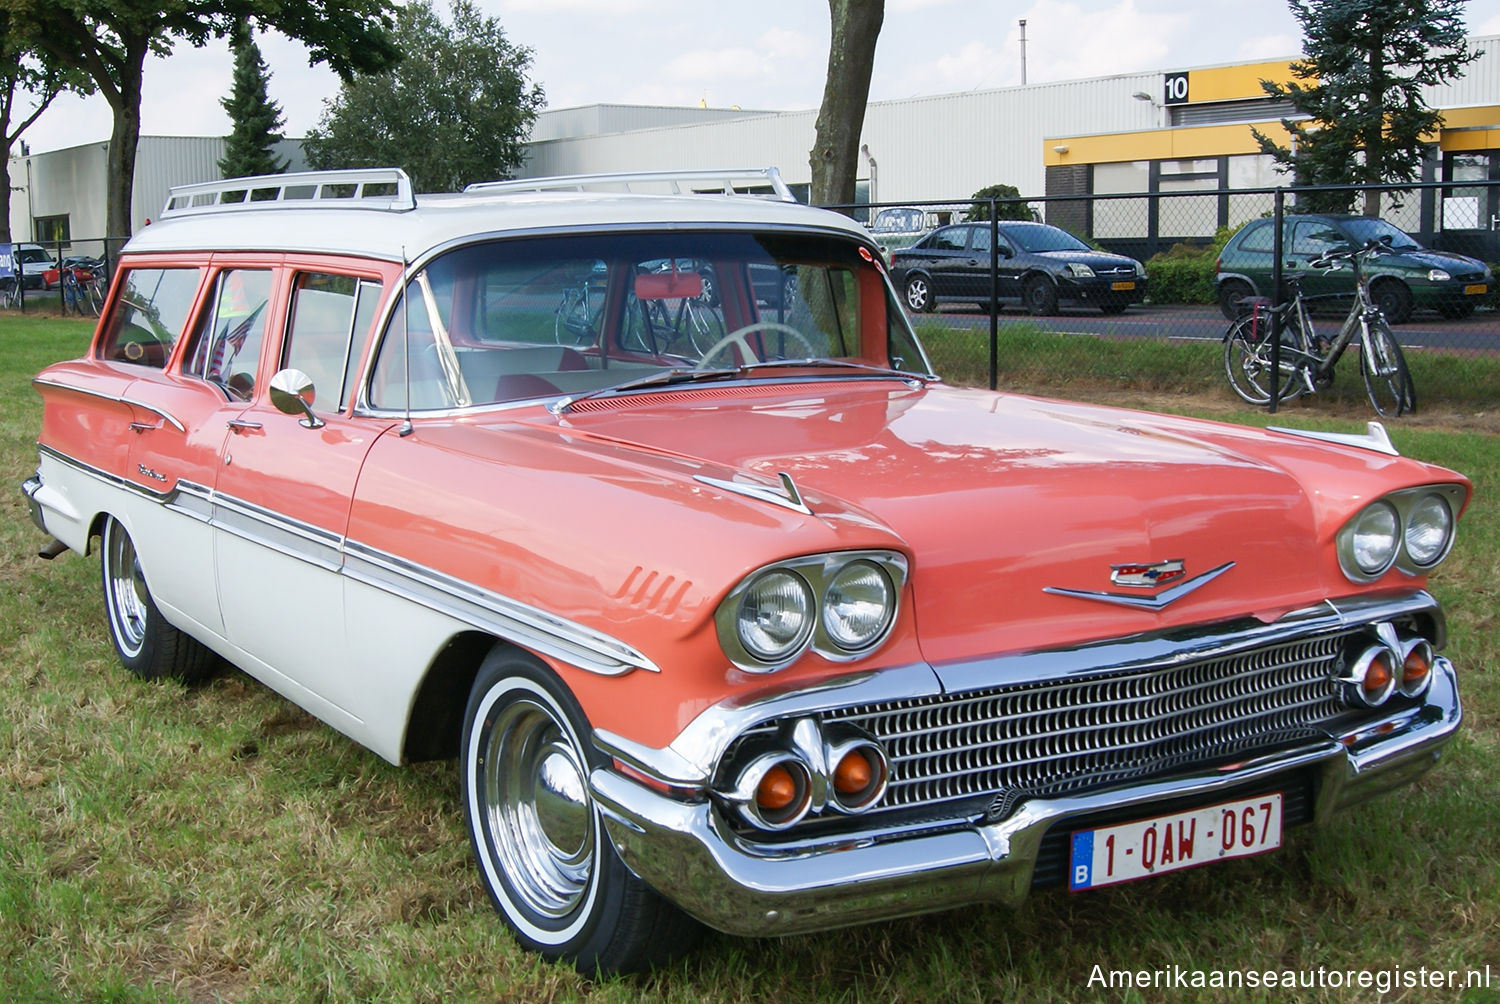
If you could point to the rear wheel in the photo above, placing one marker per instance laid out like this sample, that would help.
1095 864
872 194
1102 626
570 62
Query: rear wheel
1247 362
147 645
1387 380
919 295
543 853
1231 291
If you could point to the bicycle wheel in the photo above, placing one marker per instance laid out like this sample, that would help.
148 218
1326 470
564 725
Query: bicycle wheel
572 325
1387 380
1247 362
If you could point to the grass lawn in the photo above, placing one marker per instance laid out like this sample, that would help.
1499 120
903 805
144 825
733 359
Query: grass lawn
162 843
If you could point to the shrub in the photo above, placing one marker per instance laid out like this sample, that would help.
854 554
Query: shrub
1185 272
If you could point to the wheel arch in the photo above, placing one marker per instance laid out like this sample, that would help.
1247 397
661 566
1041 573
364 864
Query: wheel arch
435 723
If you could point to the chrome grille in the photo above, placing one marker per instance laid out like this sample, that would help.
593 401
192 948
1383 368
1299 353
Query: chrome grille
1061 736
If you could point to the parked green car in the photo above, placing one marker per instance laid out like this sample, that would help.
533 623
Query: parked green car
1409 277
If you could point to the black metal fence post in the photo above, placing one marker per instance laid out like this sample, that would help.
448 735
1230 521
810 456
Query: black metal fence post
994 295
1277 294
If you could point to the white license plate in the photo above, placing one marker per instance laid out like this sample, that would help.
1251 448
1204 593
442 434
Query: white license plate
1146 847
1122 285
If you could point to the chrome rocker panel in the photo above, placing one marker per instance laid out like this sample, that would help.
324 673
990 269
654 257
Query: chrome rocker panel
683 849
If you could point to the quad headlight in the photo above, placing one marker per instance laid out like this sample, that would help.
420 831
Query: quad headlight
841 605
1411 530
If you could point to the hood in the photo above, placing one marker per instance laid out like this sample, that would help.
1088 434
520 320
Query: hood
1093 259
999 500
1440 259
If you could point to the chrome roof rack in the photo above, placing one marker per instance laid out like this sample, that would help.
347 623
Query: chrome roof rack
763 182
386 188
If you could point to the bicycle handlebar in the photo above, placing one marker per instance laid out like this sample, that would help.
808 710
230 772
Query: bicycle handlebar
1330 259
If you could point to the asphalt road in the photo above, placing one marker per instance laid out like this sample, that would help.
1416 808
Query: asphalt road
1478 332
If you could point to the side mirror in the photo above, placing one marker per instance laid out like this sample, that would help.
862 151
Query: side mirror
292 393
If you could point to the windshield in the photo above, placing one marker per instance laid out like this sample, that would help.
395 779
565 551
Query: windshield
1364 230
532 318
1041 238
890 220
33 256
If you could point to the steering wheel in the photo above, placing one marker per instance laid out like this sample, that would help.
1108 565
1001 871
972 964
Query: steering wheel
739 338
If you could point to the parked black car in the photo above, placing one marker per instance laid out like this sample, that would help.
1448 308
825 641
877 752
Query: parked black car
1406 278
1040 266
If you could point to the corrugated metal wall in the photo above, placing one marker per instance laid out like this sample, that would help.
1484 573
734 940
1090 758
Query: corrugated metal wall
924 148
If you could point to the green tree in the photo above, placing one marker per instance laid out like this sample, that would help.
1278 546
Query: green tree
854 30
255 120
108 41
1360 80
454 111
29 80
1009 206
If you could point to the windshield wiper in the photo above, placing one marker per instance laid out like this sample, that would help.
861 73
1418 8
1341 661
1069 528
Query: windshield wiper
661 378
841 363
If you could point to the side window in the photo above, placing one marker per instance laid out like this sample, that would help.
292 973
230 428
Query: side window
951 239
1314 238
149 314
325 331
979 239
230 332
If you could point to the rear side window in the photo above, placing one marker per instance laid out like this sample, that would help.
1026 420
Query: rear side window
226 347
1258 239
149 314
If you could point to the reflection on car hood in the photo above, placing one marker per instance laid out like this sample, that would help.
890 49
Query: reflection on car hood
1090 258
997 497
1438 259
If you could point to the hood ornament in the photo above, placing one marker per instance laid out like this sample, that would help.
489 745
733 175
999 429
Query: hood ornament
1147 576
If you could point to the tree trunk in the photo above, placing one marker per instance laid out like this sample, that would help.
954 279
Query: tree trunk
851 60
122 146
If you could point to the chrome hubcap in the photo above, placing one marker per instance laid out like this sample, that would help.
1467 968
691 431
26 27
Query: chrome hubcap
539 818
126 589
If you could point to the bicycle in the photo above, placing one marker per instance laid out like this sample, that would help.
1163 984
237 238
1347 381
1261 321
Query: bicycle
79 296
1308 358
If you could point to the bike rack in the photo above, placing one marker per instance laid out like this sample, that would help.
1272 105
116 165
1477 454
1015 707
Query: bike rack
386 188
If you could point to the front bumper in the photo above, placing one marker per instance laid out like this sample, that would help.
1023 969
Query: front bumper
684 850
1101 290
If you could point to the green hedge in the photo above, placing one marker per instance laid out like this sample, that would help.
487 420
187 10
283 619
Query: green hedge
1185 273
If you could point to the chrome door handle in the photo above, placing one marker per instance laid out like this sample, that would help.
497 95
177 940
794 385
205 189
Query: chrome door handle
140 427
239 425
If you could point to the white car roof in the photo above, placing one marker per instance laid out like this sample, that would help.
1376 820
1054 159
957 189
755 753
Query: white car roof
407 227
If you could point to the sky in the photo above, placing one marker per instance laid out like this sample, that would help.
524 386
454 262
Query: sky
771 54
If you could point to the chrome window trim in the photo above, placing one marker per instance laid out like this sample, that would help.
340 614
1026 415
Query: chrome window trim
362 406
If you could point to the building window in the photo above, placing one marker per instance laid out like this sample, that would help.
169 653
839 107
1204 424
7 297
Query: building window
51 229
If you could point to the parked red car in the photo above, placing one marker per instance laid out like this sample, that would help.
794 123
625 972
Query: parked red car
731 610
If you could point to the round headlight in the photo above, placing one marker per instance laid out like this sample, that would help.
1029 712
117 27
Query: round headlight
857 606
1429 527
1374 537
775 615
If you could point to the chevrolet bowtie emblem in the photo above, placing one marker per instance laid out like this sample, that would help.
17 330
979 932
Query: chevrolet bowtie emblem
1151 576
1138 576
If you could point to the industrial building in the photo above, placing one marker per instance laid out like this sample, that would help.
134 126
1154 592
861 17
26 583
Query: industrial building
1167 132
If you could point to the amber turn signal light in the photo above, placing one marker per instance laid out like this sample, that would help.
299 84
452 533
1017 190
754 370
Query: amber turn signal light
852 775
777 789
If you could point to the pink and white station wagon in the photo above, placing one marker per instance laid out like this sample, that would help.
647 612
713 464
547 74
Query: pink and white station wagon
640 497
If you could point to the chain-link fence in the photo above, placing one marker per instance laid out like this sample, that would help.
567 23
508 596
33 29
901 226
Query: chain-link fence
1139 290
67 277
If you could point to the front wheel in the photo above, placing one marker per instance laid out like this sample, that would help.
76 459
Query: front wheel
1040 296
147 645
543 853
1387 380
